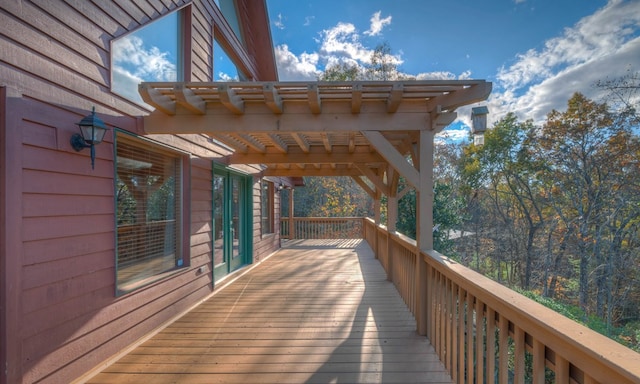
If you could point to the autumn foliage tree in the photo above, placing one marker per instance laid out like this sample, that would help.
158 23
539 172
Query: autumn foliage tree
558 205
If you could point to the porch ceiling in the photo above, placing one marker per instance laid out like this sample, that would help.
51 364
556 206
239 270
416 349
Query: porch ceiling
313 128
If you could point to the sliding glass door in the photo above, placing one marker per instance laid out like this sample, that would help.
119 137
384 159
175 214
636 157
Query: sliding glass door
231 222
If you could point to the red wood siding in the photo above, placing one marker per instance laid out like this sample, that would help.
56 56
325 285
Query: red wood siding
60 315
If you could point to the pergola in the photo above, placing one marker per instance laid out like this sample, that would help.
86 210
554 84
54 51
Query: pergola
375 130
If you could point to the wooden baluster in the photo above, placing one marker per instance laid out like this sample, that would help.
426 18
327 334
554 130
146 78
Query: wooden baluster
503 350
449 329
538 362
435 309
491 345
455 327
562 370
469 339
519 355
479 341
461 330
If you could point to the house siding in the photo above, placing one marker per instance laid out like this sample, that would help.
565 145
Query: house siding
60 316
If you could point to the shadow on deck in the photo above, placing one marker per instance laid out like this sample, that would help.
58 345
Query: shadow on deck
317 311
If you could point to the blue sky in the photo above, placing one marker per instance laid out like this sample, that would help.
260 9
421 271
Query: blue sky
537 53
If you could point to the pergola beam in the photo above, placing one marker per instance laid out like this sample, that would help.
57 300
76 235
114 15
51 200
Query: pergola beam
472 94
157 100
272 99
188 99
302 142
395 158
278 143
395 98
356 98
364 186
159 123
326 141
232 142
304 158
314 99
249 141
229 99
373 177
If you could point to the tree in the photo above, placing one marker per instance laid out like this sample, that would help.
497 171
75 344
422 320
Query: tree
341 72
331 197
587 152
505 168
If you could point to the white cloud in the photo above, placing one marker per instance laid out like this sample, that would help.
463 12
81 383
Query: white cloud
538 81
279 22
308 20
377 24
343 41
291 67
454 133
340 44
134 63
443 75
222 76
125 83
150 64
605 44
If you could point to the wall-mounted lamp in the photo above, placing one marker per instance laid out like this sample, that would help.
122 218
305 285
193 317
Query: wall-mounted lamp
92 130
281 187
479 124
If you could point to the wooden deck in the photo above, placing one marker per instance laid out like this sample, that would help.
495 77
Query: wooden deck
318 311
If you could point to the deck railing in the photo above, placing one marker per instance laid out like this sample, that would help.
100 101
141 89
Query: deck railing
485 332
482 331
322 228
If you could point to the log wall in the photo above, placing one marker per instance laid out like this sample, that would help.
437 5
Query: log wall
60 315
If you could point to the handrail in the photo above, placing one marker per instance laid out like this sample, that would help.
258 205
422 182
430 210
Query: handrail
322 228
481 329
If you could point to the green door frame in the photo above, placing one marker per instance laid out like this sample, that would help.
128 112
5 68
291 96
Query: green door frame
245 201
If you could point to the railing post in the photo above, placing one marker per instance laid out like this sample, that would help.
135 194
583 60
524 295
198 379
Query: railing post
424 228
392 218
292 227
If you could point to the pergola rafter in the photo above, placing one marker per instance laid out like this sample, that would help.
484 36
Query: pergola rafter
379 130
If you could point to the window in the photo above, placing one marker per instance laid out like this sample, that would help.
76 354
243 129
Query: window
224 67
228 9
151 53
268 207
148 212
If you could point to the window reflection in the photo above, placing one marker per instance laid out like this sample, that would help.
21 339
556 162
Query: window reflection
151 53
228 9
148 212
224 69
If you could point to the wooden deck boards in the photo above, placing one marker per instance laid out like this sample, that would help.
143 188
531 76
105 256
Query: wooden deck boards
316 312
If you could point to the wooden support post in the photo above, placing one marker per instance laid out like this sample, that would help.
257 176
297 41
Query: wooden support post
425 225
292 227
11 157
392 219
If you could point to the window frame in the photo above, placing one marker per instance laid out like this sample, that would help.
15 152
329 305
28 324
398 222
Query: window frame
233 45
267 192
183 260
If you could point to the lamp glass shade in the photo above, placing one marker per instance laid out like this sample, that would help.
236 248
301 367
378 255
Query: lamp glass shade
92 129
92 134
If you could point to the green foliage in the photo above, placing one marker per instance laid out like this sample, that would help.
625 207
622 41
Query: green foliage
383 65
447 215
341 72
628 335
331 197
407 214
552 208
